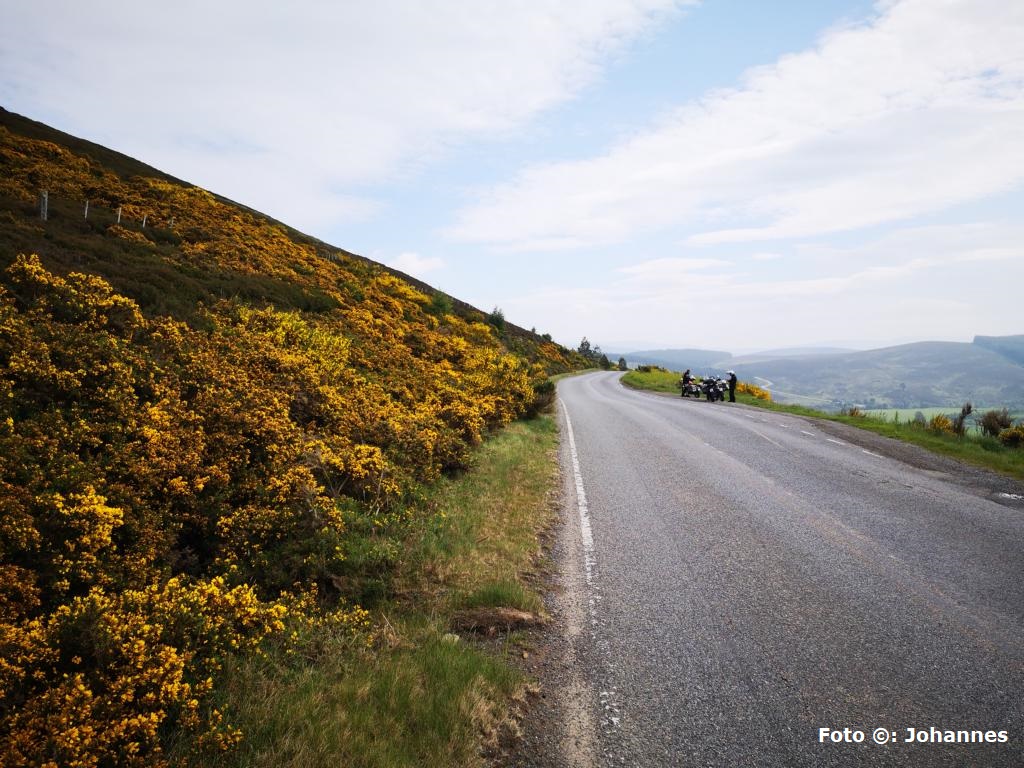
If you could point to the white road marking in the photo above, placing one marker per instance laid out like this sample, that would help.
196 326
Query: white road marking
586 532
767 438
784 426
869 453
611 709
805 432
837 442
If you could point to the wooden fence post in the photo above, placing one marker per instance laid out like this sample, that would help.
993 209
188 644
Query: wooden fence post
44 204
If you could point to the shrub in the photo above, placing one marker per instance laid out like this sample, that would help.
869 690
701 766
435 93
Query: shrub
941 424
854 412
497 320
543 398
754 390
1013 437
440 304
960 420
993 422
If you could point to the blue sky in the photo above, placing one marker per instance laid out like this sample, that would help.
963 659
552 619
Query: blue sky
648 173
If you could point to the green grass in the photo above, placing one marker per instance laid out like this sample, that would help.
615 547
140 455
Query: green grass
658 381
424 701
508 593
416 694
972 448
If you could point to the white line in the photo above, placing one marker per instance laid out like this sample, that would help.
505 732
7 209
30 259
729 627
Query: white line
586 532
767 438
837 442
805 432
869 453
784 426
611 710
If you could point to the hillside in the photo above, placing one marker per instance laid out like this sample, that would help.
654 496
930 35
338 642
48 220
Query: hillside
209 423
923 374
1010 347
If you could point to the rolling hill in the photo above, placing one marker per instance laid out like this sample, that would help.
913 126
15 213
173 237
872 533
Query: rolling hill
989 372
923 374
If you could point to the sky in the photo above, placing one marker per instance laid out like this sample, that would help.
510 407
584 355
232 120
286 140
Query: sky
723 174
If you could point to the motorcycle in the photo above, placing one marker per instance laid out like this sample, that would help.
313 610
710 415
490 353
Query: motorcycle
714 388
691 388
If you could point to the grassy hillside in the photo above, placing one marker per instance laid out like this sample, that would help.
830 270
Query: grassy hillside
215 436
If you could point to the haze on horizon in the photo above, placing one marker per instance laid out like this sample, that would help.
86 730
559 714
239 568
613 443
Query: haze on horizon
645 173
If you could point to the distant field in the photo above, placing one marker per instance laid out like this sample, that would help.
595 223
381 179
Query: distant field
907 414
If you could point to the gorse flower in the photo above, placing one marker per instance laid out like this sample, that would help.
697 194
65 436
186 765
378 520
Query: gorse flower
182 474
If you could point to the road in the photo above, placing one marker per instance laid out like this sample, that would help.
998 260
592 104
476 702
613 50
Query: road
744 579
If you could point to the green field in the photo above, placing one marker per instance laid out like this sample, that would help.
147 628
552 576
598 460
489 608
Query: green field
907 414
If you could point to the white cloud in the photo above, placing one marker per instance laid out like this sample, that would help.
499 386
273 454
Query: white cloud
416 265
937 282
311 98
918 110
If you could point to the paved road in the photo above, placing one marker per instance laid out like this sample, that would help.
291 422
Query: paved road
752 579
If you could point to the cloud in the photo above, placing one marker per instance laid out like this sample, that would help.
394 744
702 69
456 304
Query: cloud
934 282
313 98
416 265
916 110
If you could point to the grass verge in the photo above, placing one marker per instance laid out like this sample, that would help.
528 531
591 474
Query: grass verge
985 452
413 693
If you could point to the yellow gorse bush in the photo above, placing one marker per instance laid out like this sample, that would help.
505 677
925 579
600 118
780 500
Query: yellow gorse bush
175 490
753 389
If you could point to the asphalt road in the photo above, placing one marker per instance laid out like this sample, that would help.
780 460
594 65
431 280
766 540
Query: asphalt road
746 579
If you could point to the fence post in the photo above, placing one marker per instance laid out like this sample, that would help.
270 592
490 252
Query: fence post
119 214
86 209
44 204
172 222
144 220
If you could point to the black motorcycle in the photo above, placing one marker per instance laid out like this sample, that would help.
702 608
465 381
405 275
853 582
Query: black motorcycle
714 388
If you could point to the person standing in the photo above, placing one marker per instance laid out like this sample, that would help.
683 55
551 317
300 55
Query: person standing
685 381
732 386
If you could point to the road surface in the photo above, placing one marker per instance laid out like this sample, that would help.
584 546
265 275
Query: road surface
743 579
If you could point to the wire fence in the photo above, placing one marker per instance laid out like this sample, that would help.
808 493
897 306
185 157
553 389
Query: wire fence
93 216
50 207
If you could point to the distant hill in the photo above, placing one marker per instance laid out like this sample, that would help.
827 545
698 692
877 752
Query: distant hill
675 359
922 374
1010 347
988 372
